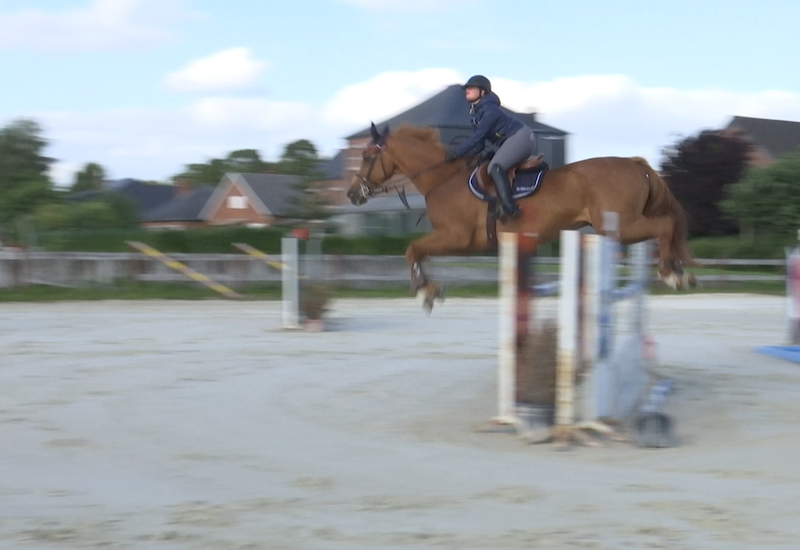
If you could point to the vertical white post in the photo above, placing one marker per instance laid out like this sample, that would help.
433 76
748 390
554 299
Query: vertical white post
639 260
568 319
507 350
594 336
290 283
793 293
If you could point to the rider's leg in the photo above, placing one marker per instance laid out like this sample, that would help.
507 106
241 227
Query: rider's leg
515 149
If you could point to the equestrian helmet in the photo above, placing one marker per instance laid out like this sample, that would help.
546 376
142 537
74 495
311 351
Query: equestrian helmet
479 81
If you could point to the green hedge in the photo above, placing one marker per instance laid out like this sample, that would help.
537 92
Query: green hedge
735 247
218 241
212 241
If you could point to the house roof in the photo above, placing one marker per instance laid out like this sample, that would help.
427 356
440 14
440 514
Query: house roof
331 169
183 207
272 192
449 111
147 196
776 136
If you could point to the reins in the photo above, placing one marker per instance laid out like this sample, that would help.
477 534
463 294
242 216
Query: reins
369 188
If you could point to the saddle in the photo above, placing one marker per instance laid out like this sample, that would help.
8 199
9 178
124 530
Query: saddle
525 178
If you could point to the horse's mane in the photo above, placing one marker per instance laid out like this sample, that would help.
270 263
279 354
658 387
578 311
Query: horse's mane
426 134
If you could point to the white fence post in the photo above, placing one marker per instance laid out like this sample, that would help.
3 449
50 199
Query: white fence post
290 283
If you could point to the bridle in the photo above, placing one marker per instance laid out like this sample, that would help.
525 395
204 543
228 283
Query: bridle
370 188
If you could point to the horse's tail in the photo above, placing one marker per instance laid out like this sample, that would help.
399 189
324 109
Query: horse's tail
661 202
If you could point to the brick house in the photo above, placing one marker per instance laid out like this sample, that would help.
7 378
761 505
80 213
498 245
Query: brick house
769 138
255 200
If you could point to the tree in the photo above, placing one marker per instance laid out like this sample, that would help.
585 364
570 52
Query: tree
308 201
24 180
299 158
699 169
90 178
108 211
246 161
203 173
767 200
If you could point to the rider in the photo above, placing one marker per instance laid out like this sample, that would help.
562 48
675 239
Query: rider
516 141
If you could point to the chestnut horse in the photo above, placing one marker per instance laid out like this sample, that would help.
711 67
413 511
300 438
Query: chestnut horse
569 197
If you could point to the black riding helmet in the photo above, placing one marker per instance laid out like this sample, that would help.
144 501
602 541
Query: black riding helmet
479 81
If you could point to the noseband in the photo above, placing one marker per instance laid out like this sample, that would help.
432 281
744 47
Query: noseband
368 187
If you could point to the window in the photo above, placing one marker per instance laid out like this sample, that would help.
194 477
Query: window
237 203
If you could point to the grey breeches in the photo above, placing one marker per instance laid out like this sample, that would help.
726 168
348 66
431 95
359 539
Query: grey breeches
516 148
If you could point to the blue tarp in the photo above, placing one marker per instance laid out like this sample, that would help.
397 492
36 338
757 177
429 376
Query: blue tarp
789 353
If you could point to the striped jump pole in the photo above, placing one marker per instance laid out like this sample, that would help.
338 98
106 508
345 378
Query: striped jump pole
184 269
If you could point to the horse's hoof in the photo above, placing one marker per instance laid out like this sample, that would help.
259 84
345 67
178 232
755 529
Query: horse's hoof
672 281
691 281
428 305
441 292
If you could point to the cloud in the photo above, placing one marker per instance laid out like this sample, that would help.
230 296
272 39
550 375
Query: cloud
230 69
384 96
102 25
409 5
612 115
605 115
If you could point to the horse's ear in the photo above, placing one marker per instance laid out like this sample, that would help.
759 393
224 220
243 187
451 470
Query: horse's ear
375 135
385 134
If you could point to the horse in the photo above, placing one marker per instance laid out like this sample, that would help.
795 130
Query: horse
569 197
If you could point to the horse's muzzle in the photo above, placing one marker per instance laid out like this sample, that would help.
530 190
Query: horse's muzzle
358 194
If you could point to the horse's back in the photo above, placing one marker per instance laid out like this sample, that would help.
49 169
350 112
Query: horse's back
577 194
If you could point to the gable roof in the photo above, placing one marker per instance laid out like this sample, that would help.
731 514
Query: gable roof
449 111
147 196
776 136
271 193
184 207
274 191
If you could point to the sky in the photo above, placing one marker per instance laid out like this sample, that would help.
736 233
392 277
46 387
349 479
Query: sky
145 87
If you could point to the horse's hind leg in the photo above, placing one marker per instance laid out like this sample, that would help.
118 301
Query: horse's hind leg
670 266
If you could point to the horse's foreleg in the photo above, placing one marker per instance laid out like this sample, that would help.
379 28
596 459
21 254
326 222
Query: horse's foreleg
432 244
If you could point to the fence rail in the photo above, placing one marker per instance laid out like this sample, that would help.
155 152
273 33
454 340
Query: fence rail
80 268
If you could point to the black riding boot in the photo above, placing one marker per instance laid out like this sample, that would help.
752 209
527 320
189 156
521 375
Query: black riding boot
503 187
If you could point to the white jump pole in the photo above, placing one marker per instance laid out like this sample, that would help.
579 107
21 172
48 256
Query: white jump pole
290 285
568 351
507 345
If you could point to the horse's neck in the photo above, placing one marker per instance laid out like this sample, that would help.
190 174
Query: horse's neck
425 170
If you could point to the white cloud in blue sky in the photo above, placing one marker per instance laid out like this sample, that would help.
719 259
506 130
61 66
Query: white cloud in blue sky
96 25
231 69
144 87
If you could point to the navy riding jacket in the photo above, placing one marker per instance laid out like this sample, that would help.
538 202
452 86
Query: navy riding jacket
489 123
